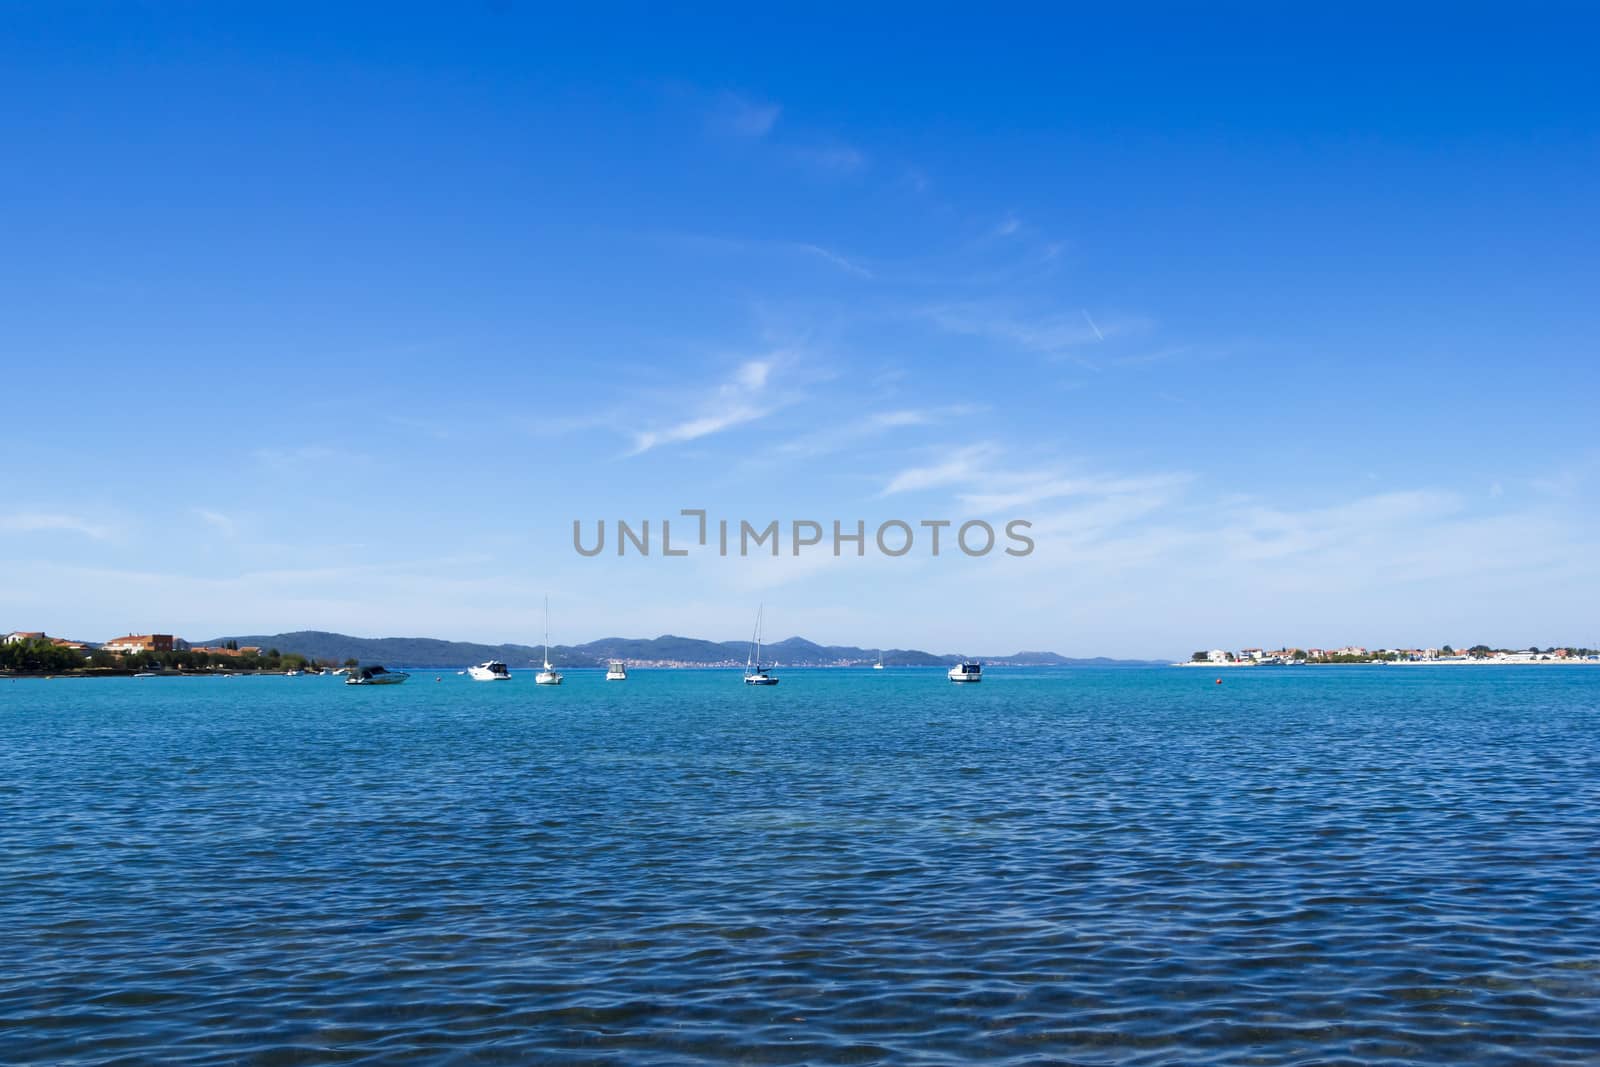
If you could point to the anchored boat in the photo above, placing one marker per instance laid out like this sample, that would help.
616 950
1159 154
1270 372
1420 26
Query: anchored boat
376 676
492 671
754 673
548 676
969 671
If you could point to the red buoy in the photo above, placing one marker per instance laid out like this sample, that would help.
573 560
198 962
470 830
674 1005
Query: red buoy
1219 681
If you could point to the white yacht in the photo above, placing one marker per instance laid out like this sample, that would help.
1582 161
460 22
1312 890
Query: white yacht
966 671
492 671
617 671
548 676
754 673
376 676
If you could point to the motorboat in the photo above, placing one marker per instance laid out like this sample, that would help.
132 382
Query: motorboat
967 671
617 671
754 673
491 671
376 676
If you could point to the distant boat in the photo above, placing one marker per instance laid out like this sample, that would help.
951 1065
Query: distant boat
617 671
293 674
491 671
146 674
548 676
754 674
968 671
878 666
376 676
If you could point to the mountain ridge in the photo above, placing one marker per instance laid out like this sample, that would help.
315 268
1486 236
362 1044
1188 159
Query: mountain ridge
665 650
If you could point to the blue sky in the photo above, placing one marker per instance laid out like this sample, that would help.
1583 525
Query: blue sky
1279 327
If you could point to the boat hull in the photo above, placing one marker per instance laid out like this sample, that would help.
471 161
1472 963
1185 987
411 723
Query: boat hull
760 679
392 678
481 674
547 678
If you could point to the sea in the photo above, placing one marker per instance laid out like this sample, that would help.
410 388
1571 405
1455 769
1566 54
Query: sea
1316 865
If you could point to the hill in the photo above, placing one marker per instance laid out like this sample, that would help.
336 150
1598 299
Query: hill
666 650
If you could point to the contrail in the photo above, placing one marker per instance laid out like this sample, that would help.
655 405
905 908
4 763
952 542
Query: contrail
1098 335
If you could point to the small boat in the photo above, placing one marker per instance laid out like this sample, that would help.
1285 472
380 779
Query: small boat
376 676
967 671
878 666
293 674
492 671
146 674
754 673
548 676
617 671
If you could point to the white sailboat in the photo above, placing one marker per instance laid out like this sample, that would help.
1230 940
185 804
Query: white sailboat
878 666
548 676
754 674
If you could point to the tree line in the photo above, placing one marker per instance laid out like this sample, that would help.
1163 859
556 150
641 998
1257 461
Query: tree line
42 655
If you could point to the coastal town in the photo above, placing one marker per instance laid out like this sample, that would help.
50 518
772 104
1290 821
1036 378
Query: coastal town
1445 654
33 651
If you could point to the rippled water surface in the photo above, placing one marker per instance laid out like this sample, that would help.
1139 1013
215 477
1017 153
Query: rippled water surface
1077 866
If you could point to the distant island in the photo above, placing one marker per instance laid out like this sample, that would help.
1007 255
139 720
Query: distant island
36 652
1258 657
668 650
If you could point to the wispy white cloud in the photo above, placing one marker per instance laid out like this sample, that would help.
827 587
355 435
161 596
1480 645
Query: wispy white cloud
741 116
837 260
1017 490
223 524
435 430
735 403
836 437
1053 334
36 522
832 157
1098 336
300 457
709 243
966 465
1007 226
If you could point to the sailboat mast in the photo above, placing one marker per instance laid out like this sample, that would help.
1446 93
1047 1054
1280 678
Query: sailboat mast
547 631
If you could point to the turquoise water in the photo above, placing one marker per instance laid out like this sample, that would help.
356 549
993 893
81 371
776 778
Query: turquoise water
1312 865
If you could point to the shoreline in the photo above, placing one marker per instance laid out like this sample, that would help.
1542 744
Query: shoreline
1502 661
